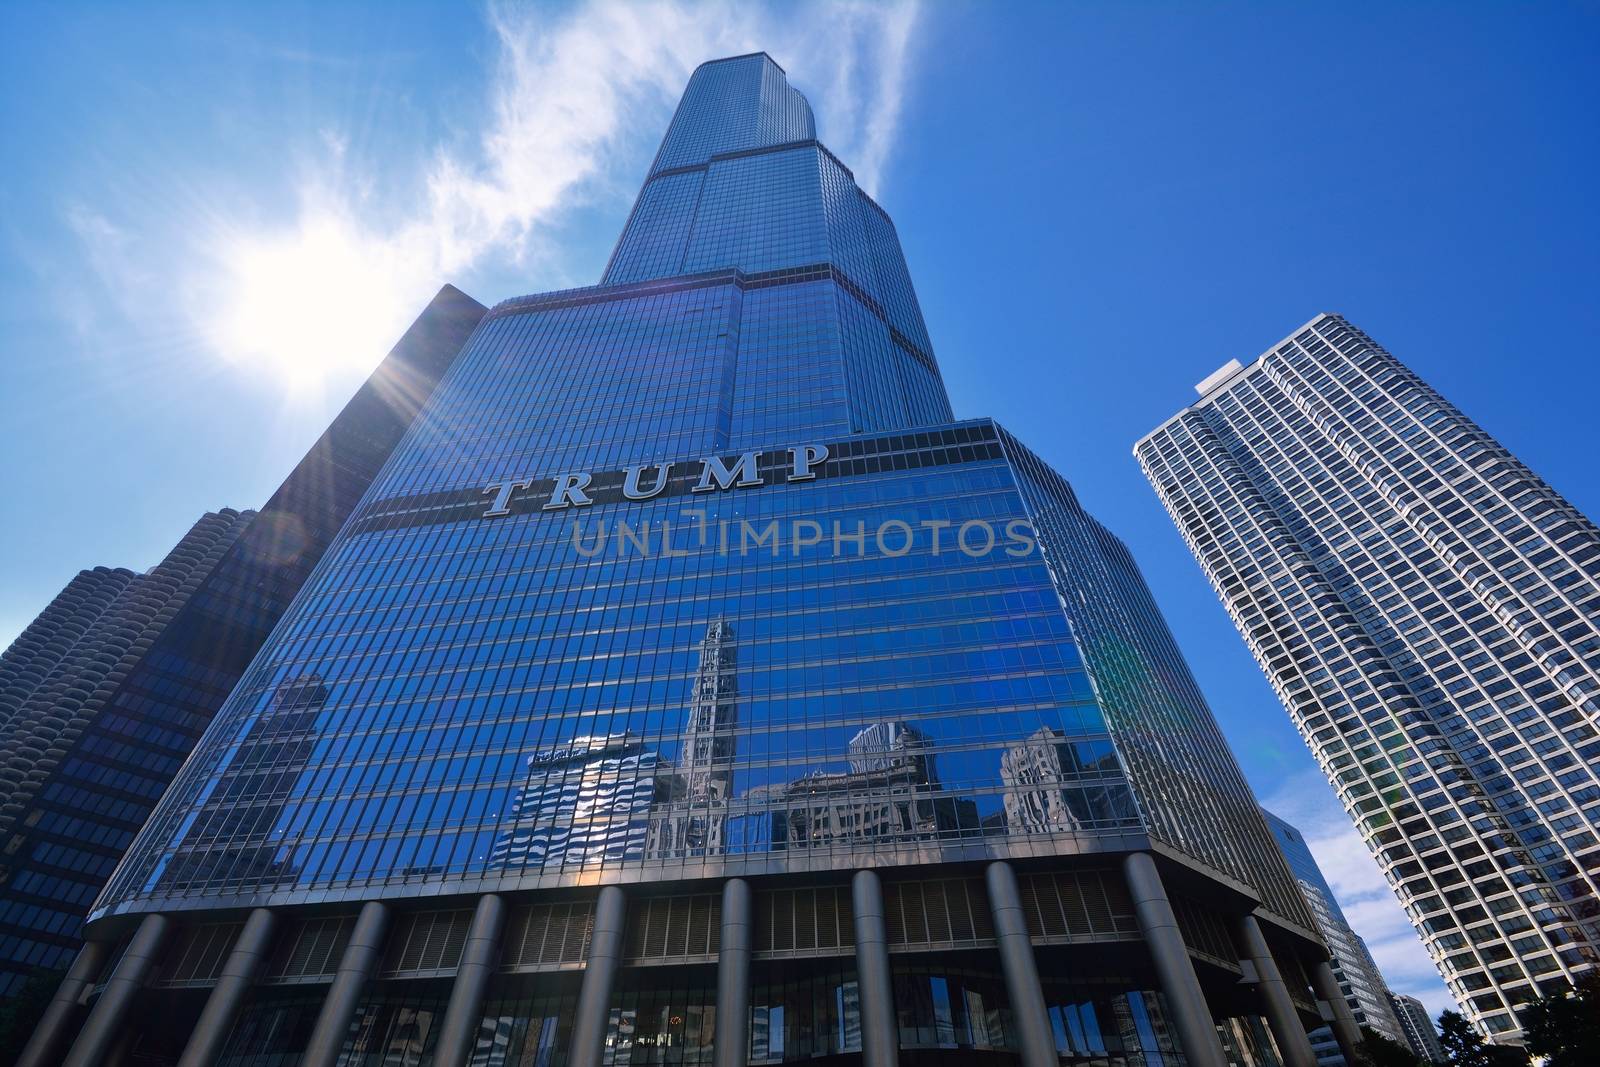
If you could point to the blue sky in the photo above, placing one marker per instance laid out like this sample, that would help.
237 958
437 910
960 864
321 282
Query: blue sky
214 221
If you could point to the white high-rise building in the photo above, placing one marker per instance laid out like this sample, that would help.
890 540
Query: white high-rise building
1358 975
1354 968
1428 611
1420 1034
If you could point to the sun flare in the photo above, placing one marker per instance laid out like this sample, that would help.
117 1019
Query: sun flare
306 305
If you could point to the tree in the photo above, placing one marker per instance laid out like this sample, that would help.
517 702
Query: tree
1379 1051
1564 1030
1465 1047
21 1013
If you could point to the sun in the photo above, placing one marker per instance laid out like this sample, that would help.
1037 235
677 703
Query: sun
306 304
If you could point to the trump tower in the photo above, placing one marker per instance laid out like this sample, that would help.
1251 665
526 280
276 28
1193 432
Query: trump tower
690 687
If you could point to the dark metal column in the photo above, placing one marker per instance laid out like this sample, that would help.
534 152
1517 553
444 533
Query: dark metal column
360 959
119 1051
1022 973
227 996
599 975
880 1037
42 1049
733 975
104 1024
464 1014
1346 1031
1281 1017
1185 999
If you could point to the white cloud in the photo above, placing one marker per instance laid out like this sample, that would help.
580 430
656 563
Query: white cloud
1370 906
113 254
573 101
860 90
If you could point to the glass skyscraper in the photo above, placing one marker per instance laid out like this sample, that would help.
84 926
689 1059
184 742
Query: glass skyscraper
1428 611
691 688
1363 987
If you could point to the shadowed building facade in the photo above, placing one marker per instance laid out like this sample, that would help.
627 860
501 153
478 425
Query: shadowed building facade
689 679
1428 611
86 756
105 694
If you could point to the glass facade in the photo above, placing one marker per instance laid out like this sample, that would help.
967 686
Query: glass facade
843 661
1428 611
691 578
523 698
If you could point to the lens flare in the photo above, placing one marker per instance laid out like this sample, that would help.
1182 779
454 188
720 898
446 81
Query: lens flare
306 304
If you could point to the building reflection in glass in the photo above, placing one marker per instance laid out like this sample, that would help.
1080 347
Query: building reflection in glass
610 797
804 1009
1035 771
695 797
248 815
616 797
587 801
890 791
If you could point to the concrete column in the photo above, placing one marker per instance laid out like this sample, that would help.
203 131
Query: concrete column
227 996
360 959
104 1024
464 1014
880 1031
1185 999
43 1048
1022 973
1281 1017
733 975
599 976
1346 1031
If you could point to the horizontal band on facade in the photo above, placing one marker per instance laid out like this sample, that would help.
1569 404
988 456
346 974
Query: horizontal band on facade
745 153
1081 906
743 55
853 457
815 272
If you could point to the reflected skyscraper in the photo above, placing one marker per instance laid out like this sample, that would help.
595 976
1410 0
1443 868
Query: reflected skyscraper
691 817
587 802
701 548
1036 773
887 791
239 834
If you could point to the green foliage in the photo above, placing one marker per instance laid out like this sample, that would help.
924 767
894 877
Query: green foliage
1564 1030
1380 1051
1465 1047
21 1013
